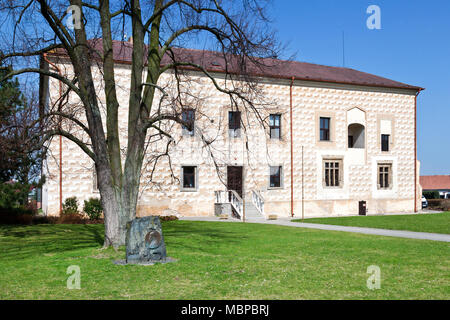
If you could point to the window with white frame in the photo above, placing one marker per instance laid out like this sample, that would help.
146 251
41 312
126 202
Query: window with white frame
384 175
188 116
385 142
275 126
325 128
332 172
234 124
94 180
189 178
276 177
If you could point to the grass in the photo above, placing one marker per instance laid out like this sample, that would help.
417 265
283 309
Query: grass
222 261
434 223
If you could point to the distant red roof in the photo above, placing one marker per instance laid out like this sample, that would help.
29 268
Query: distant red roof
435 182
272 68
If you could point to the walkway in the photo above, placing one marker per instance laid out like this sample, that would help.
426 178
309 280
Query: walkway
379 232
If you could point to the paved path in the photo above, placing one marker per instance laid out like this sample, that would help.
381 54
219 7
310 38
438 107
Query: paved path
374 231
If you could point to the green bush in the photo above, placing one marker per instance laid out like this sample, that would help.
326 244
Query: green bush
439 204
13 195
70 206
93 208
431 194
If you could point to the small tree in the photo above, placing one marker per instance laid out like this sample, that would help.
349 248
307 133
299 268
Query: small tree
238 31
431 194
93 208
70 206
19 126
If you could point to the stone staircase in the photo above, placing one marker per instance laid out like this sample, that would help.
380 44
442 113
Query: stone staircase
229 203
250 210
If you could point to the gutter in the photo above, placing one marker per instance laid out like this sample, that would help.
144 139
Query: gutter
415 149
292 151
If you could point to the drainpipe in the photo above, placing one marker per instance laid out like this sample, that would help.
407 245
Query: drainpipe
292 152
303 186
59 126
415 150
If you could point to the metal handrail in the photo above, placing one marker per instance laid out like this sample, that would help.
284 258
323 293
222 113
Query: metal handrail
258 201
232 197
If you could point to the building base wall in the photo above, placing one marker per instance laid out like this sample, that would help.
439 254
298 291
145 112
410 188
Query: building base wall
312 208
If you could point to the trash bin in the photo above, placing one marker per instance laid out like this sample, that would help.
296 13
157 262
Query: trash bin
362 208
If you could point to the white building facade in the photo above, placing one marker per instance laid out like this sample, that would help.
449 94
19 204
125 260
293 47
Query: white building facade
328 145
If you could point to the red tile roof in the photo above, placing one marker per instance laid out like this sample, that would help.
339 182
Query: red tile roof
435 182
272 68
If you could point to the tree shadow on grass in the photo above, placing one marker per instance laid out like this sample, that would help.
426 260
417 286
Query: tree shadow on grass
202 236
21 242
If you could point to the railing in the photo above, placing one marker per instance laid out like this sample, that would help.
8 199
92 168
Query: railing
258 201
232 197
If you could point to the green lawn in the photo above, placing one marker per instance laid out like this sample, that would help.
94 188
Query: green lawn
219 260
435 223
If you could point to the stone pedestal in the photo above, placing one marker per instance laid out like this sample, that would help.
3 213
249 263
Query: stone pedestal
145 241
223 209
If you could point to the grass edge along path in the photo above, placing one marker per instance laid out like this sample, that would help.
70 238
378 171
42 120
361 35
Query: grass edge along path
431 223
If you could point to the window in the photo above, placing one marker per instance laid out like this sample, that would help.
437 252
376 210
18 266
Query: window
189 178
94 181
384 176
324 129
332 173
356 136
275 177
234 124
384 142
350 142
188 116
275 126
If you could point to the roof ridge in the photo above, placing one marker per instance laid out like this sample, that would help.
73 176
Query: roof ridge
269 67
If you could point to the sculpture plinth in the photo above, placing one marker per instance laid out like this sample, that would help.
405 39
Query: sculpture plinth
145 241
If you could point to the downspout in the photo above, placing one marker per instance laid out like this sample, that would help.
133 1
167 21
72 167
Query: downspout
60 137
292 152
415 150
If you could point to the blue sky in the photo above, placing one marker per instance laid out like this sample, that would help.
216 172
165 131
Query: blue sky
413 46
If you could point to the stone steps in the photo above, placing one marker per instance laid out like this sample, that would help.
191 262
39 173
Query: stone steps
250 210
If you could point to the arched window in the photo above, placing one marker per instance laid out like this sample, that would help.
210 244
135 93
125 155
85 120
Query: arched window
356 138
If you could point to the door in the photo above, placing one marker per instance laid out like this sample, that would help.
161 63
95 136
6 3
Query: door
234 179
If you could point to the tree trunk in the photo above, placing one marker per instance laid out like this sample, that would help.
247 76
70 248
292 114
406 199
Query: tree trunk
119 203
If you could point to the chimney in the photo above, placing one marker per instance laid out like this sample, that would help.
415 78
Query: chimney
130 40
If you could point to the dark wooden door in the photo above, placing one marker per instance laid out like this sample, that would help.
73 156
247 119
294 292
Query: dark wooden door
234 179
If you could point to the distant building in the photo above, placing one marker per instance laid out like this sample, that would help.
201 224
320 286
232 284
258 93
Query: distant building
436 183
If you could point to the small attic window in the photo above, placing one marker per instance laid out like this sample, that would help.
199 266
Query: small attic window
215 63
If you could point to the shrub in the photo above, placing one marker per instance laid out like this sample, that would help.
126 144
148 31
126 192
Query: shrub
439 204
431 194
20 215
71 218
13 195
93 208
167 218
70 206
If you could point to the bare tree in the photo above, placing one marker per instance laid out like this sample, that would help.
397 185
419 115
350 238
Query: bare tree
238 30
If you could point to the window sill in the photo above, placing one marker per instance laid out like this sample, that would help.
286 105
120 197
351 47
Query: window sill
188 190
275 188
